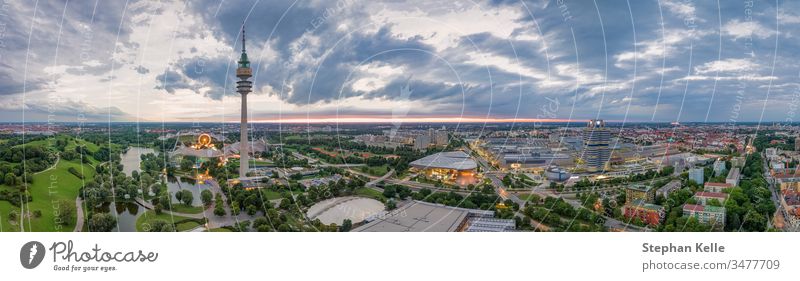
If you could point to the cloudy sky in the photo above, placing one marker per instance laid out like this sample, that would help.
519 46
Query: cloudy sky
659 60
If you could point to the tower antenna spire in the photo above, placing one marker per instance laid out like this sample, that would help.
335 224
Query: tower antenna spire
243 46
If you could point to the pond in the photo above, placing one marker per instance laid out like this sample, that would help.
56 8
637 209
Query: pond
132 159
175 184
125 213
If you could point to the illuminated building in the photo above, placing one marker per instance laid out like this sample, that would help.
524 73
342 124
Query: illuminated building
452 167
596 151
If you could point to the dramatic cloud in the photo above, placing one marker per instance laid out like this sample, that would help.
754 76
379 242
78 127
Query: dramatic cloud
168 60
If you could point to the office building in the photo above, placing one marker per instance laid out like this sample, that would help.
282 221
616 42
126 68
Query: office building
596 151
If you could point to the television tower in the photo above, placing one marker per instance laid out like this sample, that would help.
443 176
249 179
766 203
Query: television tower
243 87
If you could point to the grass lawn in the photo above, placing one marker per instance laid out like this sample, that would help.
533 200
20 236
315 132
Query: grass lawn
48 190
180 208
5 209
145 219
375 170
272 195
526 196
370 193
262 163
75 142
185 226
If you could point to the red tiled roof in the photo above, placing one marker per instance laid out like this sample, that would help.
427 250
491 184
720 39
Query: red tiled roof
719 184
711 194
692 207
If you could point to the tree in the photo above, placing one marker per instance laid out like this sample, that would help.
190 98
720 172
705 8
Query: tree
219 210
347 224
102 222
66 213
185 196
161 226
235 208
252 210
262 224
391 205
207 197
390 191
10 179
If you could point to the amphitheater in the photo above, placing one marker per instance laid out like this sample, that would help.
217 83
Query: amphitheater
336 210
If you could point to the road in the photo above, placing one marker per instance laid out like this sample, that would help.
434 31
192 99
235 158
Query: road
301 156
775 197
382 178
500 189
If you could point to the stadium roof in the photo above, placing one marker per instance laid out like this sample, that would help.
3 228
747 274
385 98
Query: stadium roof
456 160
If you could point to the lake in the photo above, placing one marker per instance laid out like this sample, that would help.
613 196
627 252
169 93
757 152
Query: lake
175 184
132 158
125 213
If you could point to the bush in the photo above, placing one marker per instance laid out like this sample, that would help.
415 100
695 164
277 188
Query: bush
207 197
75 172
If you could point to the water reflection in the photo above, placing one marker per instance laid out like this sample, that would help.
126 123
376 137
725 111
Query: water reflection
132 159
125 213
175 184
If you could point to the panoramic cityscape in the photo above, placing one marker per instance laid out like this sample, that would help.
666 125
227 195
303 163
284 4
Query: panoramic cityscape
354 116
579 176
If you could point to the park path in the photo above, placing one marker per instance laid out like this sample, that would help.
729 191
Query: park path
58 158
80 216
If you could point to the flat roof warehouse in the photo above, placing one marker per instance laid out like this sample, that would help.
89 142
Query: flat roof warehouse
421 216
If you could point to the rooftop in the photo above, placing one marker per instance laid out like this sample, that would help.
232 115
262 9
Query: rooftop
733 174
641 204
711 194
421 216
718 184
640 187
701 208
456 160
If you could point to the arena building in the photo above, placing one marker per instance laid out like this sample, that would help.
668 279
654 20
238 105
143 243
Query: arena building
454 167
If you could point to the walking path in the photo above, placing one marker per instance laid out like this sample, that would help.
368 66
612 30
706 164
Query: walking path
80 215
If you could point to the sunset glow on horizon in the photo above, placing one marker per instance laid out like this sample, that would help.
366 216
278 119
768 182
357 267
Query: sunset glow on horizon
364 119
